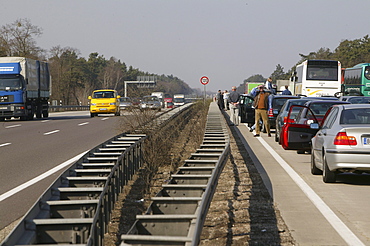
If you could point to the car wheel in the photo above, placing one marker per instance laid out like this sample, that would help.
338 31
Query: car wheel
276 136
314 169
327 175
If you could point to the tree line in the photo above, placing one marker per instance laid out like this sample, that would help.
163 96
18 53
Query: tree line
348 52
75 77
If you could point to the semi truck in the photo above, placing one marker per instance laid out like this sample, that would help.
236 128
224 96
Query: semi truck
24 88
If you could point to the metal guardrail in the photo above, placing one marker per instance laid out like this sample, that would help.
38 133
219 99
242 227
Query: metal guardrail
177 213
76 209
68 108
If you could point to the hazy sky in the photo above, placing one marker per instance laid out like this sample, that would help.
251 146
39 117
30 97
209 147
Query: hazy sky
228 41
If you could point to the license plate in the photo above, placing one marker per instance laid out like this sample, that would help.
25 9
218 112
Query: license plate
366 141
102 109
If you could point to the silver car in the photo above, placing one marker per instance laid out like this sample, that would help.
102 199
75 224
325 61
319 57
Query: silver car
150 102
342 143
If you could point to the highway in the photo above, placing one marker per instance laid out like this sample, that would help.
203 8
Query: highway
316 213
28 149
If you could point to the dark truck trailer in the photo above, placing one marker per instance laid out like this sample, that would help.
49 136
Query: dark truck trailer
24 88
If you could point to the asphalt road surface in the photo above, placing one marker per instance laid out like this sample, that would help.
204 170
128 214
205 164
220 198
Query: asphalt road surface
316 213
34 153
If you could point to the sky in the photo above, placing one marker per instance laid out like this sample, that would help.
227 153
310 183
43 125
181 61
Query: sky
227 41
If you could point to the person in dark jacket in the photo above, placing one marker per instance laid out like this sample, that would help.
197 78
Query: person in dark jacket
220 100
286 91
261 105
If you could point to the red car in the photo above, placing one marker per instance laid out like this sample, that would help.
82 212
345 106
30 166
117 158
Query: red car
296 133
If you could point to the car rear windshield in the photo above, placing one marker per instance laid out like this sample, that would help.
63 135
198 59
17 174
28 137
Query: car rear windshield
279 102
320 109
355 116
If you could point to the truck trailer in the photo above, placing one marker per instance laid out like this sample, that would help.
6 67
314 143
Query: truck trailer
24 88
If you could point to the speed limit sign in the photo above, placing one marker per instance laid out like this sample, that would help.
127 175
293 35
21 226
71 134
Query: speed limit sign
204 80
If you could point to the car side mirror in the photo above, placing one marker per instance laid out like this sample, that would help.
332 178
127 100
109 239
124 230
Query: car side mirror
89 98
315 126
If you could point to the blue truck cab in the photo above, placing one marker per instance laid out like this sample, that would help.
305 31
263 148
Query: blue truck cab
24 88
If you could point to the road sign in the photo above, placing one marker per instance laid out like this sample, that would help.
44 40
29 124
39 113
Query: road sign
204 80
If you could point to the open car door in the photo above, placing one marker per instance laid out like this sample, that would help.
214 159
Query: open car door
296 135
246 110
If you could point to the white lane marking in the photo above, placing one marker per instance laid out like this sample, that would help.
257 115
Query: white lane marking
48 133
40 177
330 216
106 118
12 126
85 123
43 121
4 144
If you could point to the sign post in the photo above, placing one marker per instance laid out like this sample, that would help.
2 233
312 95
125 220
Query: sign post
204 81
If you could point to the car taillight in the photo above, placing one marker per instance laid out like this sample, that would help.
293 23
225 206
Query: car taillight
343 139
270 113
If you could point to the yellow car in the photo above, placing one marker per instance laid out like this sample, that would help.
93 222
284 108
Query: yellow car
104 102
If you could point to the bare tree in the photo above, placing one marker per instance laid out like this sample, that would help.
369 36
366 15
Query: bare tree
18 39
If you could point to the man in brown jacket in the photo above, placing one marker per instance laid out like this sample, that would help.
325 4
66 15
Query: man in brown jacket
261 105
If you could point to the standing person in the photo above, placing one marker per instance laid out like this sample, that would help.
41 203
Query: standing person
261 105
268 84
219 99
226 98
286 91
234 106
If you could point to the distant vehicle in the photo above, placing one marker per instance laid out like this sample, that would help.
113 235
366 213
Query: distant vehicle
276 102
179 99
150 102
25 87
160 96
342 143
135 102
104 102
168 102
357 80
355 99
317 78
125 103
296 134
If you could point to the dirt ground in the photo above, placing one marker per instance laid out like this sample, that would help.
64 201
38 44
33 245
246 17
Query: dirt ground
241 213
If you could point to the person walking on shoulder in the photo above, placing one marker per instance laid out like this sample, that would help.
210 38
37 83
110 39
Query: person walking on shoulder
234 106
226 100
261 105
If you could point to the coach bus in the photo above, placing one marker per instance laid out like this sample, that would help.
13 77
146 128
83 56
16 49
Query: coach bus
317 78
357 80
